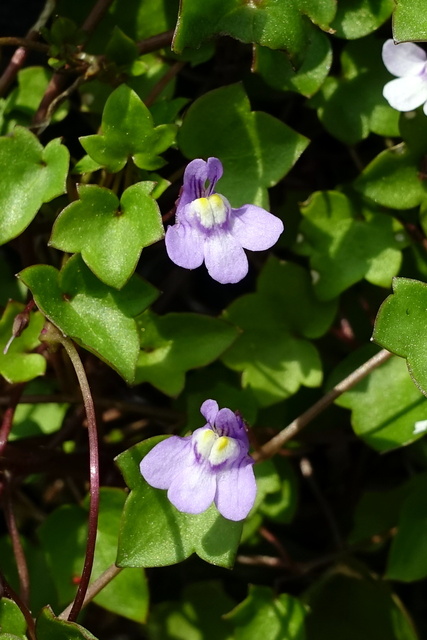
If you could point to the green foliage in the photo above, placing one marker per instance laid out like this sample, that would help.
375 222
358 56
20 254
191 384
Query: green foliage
12 622
49 627
409 21
357 18
18 364
256 149
154 534
31 174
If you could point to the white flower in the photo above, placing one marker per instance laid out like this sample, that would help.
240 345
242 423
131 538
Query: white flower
408 62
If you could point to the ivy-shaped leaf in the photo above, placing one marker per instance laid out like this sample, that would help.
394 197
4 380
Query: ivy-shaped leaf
272 352
357 18
409 21
335 228
48 627
31 175
96 316
173 344
154 533
19 364
128 132
272 23
256 149
352 105
109 233
400 326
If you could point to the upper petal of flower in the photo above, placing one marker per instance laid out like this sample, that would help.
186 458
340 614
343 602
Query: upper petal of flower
184 245
196 176
225 259
209 410
236 490
404 59
405 94
255 228
166 461
194 490
229 424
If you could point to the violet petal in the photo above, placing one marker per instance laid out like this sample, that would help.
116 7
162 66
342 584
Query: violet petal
209 410
166 461
225 259
406 59
228 424
405 94
255 228
236 492
194 490
184 245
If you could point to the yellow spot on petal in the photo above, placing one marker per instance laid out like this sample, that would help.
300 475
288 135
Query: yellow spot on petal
210 211
223 449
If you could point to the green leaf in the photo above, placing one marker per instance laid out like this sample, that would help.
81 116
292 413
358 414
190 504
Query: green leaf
278 71
272 23
352 105
409 21
263 615
48 627
400 326
31 175
110 234
12 621
121 49
407 559
198 615
19 364
154 533
97 317
376 513
37 419
395 178
364 607
256 149
128 131
173 344
335 228
24 101
357 18
280 504
272 352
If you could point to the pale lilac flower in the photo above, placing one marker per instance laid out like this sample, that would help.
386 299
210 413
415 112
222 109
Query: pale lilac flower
211 465
208 229
408 62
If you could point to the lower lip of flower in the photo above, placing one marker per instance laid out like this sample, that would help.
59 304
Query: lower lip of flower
210 211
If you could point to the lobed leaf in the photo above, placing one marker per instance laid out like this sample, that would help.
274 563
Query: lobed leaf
409 21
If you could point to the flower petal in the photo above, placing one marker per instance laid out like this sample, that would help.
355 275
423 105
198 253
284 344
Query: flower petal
209 410
166 461
405 94
229 424
194 490
404 59
255 228
225 259
236 492
184 245
196 174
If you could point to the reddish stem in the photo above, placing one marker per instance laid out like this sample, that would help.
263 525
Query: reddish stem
12 595
6 425
18 550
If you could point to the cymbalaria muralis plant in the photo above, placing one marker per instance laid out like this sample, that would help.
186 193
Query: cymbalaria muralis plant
213 284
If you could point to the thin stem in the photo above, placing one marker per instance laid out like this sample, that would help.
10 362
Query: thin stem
156 42
272 446
12 595
6 425
27 43
163 82
96 15
18 550
93 470
96 586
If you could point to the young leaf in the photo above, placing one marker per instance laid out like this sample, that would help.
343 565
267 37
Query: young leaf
400 326
154 533
255 149
97 317
173 344
31 175
109 234
335 228
19 364
128 131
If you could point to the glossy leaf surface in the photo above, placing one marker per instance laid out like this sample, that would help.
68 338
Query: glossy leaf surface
19 364
409 21
12 621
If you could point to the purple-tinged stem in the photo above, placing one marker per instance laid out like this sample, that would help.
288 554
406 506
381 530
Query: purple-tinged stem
96 586
8 592
156 42
18 550
7 421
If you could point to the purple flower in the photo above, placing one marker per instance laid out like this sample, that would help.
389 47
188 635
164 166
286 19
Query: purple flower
409 63
208 229
211 465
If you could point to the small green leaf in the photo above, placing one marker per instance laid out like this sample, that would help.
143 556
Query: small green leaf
19 364
37 419
272 23
31 175
264 615
409 21
23 101
272 352
335 228
121 49
154 533
400 326
12 621
256 149
280 504
109 234
352 105
128 131
173 344
48 627
97 317
357 18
